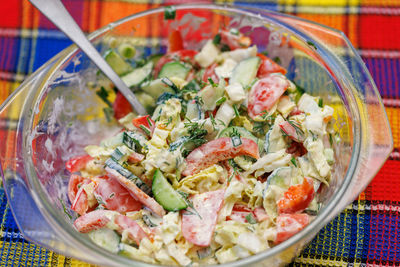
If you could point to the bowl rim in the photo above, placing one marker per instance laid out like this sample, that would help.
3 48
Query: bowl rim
65 229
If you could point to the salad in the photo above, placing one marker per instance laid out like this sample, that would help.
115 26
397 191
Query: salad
230 162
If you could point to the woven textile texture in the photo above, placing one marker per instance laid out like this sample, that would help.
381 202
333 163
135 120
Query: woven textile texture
367 233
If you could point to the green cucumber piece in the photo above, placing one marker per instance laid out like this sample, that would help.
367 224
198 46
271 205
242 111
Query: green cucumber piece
155 58
138 75
210 95
113 141
146 100
155 88
245 72
165 194
127 50
106 238
228 132
126 250
174 69
119 65
280 177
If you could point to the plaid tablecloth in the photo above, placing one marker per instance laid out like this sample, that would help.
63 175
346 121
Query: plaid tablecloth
367 233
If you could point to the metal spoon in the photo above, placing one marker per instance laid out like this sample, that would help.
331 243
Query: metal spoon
55 11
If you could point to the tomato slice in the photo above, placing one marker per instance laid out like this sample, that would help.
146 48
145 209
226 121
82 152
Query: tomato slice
265 93
75 182
175 41
93 220
136 192
239 213
260 214
80 204
77 163
290 130
115 196
297 197
218 150
135 157
134 231
121 106
182 55
234 41
268 66
296 149
209 72
144 121
198 225
289 225
239 216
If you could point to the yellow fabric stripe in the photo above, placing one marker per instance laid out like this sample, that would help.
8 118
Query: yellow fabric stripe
394 120
320 2
22 254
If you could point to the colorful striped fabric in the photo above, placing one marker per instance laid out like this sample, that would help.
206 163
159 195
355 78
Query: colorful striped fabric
367 233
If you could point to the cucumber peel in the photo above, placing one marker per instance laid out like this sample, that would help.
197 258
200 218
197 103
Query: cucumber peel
165 194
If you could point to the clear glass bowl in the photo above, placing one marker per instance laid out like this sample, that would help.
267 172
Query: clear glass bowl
54 114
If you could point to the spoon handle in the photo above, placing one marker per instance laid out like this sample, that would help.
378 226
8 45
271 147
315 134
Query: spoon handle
55 11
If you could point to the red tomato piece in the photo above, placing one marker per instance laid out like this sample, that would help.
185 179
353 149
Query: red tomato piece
296 149
134 231
182 55
290 130
175 41
296 111
93 220
234 41
265 93
209 72
136 192
239 213
115 196
218 150
289 225
135 157
260 214
144 121
268 66
75 182
240 207
80 204
77 163
198 225
297 197
121 106
239 216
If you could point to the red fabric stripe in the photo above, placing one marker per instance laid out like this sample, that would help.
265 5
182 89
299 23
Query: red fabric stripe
10 14
386 184
379 32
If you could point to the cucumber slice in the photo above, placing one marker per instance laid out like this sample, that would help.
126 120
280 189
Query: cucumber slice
155 88
155 58
165 194
174 69
227 132
127 250
106 238
281 177
210 95
138 75
116 62
113 141
245 72
146 100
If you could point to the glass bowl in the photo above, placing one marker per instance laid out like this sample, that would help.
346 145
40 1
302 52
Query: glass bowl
55 113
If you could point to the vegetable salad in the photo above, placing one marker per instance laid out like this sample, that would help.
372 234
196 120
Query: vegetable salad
230 162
